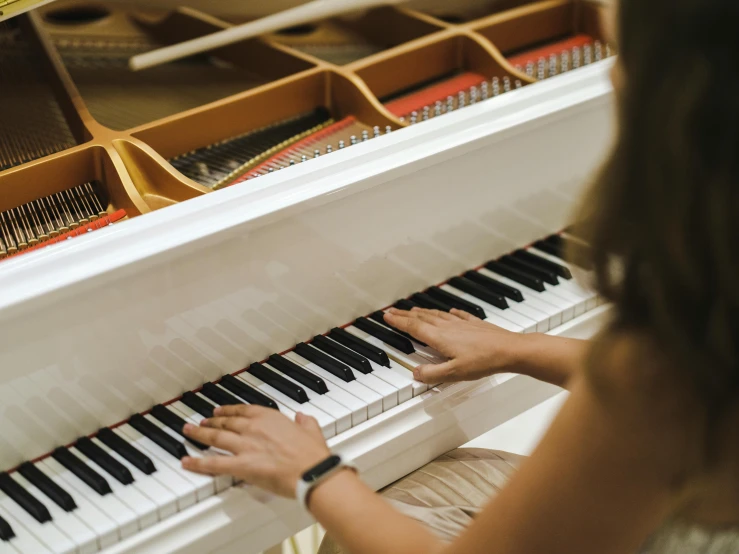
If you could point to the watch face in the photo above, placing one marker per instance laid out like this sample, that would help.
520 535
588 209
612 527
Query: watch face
318 470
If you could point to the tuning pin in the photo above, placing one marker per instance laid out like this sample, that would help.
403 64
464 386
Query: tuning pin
402 119
414 119
608 50
496 86
461 99
576 57
587 54
329 149
484 90
553 65
473 95
304 158
541 69
438 108
365 135
316 153
375 131
450 104
388 129
353 140
598 48
506 84
565 61
292 162
342 144
519 68
530 69
271 170
426 113
518 84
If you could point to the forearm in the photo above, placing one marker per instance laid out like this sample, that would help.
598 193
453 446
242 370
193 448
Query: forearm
547 358
363 523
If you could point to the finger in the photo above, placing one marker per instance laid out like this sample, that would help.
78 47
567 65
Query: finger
240 425
436 374
461 314
419 329
225 440
211 465
239 410
310 424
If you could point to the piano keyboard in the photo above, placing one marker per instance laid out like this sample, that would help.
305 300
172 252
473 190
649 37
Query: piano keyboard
32 124
100 490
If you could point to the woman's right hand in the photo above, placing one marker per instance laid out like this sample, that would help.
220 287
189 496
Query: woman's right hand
474 347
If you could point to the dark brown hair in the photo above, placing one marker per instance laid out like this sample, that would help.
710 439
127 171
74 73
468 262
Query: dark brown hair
663 215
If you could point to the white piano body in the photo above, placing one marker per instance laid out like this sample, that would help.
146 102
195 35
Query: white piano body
106 325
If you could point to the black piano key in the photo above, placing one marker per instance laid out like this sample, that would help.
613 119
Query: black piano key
220 396
6 531
369 351
277 381
250 394
478 291
83 472
127 451
548 248
158 436
425 301
324 361
44 483
349 357
557 244
530 268
197 404
104 460
174 422
406 305
456 302
558 269
385 335
24 498
298 373
494 285
515 275
379 317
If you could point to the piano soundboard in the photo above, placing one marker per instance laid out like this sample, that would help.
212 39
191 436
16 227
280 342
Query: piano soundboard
162 136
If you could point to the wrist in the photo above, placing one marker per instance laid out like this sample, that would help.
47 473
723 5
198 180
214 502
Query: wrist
330 487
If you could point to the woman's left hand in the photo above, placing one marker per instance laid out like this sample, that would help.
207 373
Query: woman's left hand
269 450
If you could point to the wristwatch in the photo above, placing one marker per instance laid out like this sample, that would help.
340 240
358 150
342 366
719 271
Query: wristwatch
317 474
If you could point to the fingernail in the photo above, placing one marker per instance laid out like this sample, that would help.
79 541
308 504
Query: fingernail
393 311
185 461
217 410
188 427
416 374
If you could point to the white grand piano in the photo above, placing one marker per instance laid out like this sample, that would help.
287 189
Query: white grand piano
106 326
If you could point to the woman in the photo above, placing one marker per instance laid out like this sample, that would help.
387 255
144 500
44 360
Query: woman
644 455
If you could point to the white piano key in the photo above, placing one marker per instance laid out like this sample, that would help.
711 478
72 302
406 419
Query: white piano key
324 402
103 527
591 295
513 322
205 483
563 311
165 499
577 303
387 392
222 482
145 509
68 523
424 354
328 424
353 395
169 470
396 375
7 548
410 361
24 540
47 533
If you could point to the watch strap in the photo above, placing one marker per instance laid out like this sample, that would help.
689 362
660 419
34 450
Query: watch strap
317 475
